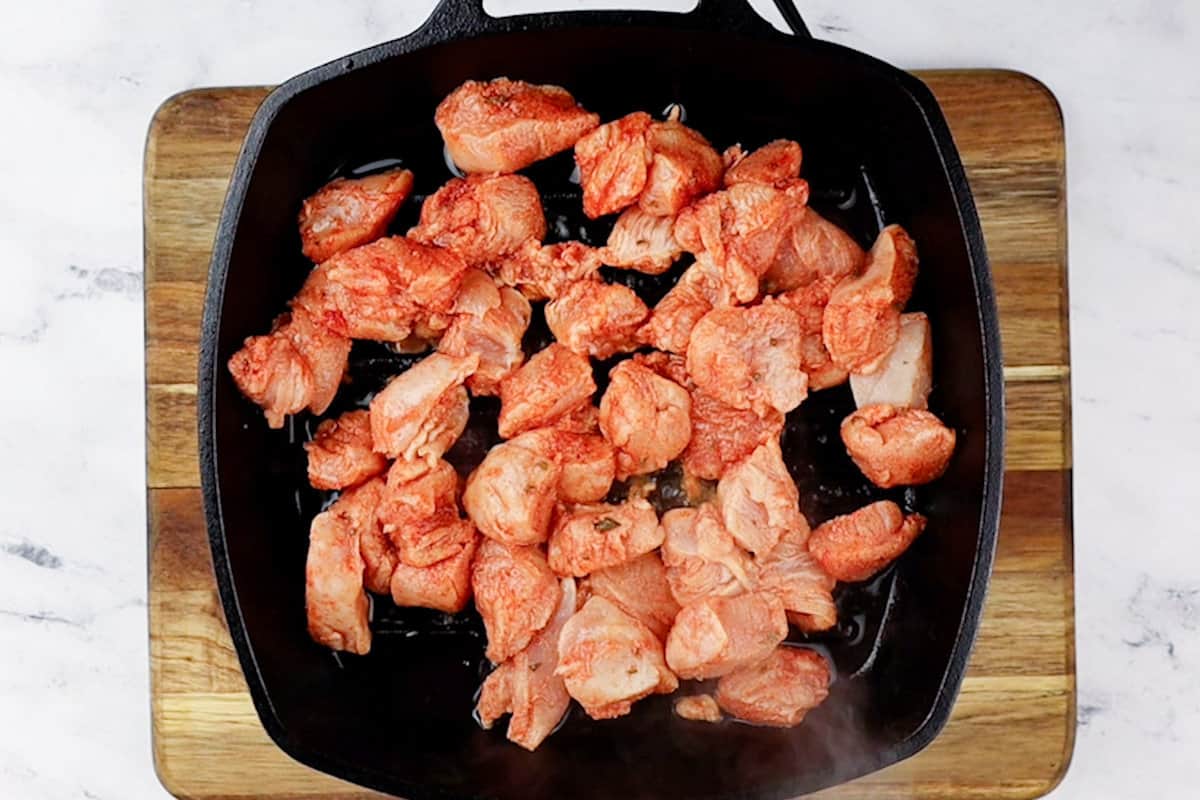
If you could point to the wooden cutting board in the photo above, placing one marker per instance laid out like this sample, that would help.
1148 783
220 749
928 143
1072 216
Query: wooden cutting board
1012 730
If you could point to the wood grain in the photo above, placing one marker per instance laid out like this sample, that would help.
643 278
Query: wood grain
1019 693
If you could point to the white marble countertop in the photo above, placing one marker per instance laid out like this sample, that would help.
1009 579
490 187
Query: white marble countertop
80 79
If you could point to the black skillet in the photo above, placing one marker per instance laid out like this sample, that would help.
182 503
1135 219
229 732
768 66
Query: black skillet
877 151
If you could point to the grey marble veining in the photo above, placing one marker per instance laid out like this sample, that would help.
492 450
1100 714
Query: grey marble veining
80 81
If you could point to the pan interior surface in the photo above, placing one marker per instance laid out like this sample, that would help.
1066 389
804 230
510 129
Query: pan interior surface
400 719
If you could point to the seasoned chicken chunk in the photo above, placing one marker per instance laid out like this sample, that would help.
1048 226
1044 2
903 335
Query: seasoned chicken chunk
422 411
340 453
348 212
420 515
614 163
758 500
516 594
646 417
809 303
778 691
661 166
716 635
526 685
749 357
698 708
683 166
862 319
443 586
378 554
510 496
383 289
334 597
609 660
814 249
855 546
596 319
542 271
639 588
587 460
494 334
589 465
591 537
701 558
298 365
898 446
482 217
504 125
723 435
905 376
793 575
699 290
551 384
642 241
742 231
773 164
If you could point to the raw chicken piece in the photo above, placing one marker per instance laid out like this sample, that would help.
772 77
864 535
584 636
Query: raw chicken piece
334 597
596 319
716 635
862 319
589 465
298 365
340 453
898 446
510 496
758 500
772 164
526 685
422 411
378 554
639 588
778 691
482 217
855 546
683 166
809 303
699 290
698 708
382 289
591 537
906 375
588 461
420 514
504 125
701 558
516 594
494 335
646 417
550 385
814 249
749 357
346 213
723 435
270 371
742 230
444 586
793 575
541 271
614 163
609 660
643 242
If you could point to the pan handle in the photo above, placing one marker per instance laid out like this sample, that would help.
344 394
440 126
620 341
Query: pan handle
454 19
